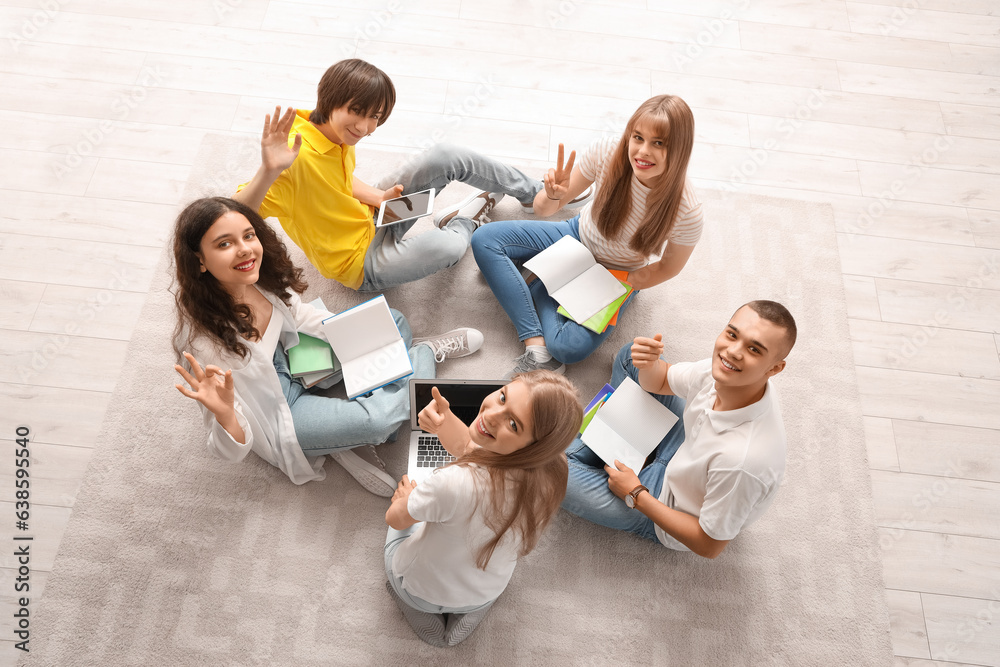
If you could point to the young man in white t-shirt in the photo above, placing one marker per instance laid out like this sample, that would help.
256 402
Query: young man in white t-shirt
720 466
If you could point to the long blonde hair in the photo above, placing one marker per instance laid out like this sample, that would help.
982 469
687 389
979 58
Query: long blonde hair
672 120
526 487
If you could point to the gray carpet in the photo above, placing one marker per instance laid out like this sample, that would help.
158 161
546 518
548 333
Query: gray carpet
173 557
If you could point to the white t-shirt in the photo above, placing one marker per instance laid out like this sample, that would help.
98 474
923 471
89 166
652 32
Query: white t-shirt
438 561
615 252
730 466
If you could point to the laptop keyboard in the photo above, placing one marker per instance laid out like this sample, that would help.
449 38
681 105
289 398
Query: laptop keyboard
430 453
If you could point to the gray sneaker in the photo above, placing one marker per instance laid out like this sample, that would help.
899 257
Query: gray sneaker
475 208
579 201
373 478
527 363
456 343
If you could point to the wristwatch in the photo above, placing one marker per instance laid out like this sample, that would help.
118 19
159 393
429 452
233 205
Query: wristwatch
633 495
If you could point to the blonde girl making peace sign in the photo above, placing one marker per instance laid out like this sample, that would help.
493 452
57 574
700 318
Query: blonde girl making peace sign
644 219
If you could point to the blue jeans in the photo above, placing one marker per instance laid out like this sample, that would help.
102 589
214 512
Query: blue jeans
323 425
392 259
496 247
393 539
587 492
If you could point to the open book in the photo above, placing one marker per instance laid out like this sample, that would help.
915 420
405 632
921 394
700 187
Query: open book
628 426
368 345
574 278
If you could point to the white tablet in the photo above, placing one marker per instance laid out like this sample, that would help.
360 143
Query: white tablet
407 207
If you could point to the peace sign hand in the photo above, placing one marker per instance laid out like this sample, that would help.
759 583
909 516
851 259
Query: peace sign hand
275 154
210 387
557 180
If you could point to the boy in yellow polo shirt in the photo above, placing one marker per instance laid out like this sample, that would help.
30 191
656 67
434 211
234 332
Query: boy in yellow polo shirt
306 180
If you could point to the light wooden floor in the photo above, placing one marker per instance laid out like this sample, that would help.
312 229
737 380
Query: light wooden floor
887 109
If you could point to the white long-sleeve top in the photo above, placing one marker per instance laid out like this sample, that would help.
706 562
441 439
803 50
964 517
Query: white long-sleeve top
261 408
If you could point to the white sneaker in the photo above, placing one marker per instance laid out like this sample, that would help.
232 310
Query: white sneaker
475 207
577 202
372 478
527 363
456 343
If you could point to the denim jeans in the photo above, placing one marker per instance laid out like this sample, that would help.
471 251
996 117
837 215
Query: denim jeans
392 259
393 539
496 247
323 425
587 492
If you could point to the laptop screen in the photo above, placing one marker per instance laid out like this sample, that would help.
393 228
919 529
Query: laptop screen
464 396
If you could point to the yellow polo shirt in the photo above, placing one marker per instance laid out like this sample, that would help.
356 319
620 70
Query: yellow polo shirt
313 200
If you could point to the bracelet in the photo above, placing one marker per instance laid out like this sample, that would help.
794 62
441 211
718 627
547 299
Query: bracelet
553 198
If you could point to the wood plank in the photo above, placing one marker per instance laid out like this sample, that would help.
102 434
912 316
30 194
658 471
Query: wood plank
55 415
82 264
18 302
928 348
880 443
920 182
935 504
56 472
916 22
901 259
943 564
920 84
948 450
963 307
929 397
862 298
60 360
962 629
80 218
97 313
906 622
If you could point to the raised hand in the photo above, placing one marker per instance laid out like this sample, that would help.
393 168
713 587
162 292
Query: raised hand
211 387
275 153
557 180
433 416
646 351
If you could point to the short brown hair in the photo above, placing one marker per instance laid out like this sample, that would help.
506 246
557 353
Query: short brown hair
777 314
365 87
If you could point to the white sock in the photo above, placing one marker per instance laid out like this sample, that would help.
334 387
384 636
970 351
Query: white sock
539 352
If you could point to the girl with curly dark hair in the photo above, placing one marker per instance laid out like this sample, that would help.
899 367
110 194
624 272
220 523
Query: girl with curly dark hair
238 310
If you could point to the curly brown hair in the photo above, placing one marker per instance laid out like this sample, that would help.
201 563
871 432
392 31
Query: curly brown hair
204 307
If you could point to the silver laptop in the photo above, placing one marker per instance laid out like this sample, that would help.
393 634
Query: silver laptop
464 397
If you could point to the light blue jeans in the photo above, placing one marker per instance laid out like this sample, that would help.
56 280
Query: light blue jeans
587 492
496 247
393 539
323 425
392 259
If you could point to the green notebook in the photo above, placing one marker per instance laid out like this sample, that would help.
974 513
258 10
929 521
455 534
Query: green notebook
598 322
311 355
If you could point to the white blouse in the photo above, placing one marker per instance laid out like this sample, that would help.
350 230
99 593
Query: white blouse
261 408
